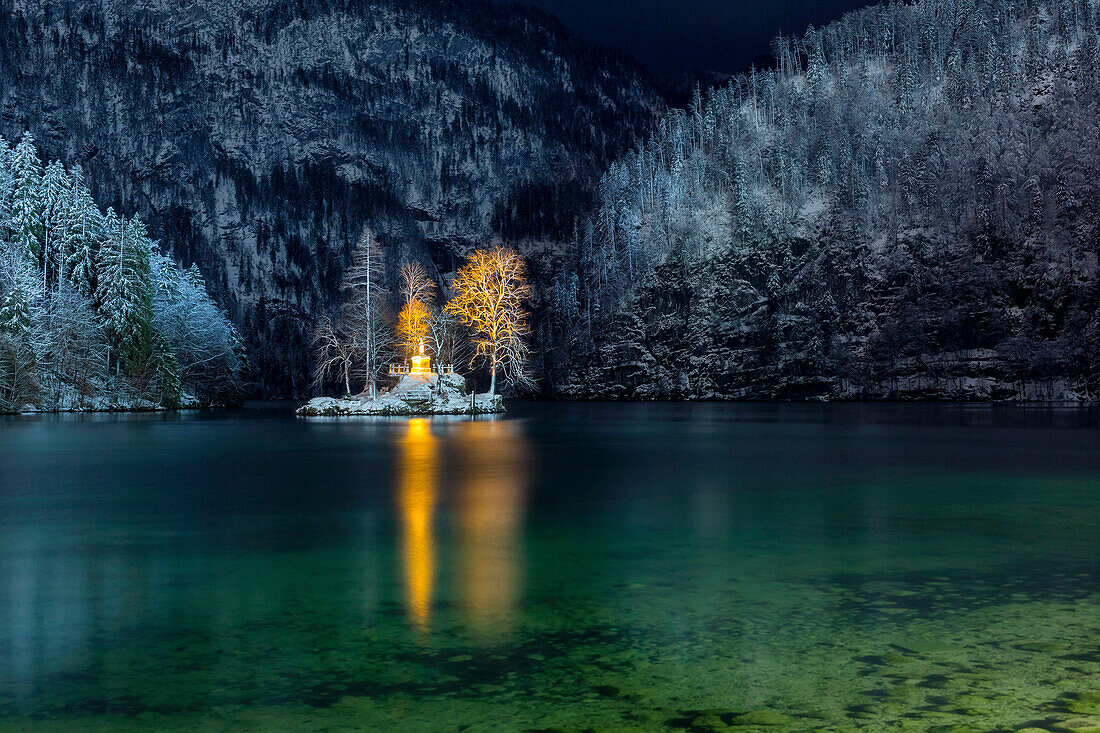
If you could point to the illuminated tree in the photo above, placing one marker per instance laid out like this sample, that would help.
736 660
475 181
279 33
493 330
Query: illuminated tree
490 291
414 321
413 324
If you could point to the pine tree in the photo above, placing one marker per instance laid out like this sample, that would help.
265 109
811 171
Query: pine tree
124 296
168 371
80 244
27 205
15 314
56 194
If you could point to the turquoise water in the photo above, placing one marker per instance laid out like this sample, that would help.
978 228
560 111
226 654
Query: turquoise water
570 567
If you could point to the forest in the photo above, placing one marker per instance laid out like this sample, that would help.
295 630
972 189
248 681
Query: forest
905 207
92 314
256 139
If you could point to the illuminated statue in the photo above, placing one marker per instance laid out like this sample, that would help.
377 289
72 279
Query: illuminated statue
421 363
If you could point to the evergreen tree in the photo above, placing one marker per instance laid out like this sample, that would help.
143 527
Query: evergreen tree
159 323
124 295
84 230
15 315
56 195
27 201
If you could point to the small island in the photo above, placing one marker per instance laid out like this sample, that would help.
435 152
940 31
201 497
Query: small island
483 320
418 391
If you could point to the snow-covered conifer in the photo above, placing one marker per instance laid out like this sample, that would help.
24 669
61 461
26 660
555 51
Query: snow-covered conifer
27 200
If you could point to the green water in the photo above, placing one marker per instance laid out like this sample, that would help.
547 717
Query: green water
571 567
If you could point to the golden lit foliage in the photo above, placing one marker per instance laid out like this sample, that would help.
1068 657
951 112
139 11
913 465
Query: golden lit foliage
491 480
415 319
412 325
490 291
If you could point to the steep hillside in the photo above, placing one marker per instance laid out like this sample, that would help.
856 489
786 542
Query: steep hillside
260 136
908 206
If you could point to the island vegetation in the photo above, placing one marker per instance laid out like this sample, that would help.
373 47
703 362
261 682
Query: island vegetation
484 324
92 315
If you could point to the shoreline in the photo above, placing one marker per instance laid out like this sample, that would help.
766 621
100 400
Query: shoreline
384 406
353 402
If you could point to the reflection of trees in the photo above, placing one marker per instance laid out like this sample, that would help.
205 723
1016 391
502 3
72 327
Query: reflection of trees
490 477
417 478
492 481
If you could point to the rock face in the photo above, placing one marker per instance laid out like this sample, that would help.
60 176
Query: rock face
414 394
260 136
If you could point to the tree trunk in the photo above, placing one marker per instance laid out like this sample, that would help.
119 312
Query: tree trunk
347 380
493 373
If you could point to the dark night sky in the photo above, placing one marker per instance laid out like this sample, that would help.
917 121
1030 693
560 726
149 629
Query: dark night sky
716 35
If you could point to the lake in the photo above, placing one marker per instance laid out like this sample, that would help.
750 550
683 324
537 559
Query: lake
571 566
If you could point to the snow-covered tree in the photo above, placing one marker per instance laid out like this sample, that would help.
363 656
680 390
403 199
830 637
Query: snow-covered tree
366 315
76 285
82 238
27 199
123 293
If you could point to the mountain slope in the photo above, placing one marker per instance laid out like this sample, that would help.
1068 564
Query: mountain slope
261 136
907 207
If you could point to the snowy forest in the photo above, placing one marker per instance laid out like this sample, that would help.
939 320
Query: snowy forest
905 207
257 138
92 315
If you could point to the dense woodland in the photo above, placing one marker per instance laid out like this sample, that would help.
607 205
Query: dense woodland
907 206
259 137
92 315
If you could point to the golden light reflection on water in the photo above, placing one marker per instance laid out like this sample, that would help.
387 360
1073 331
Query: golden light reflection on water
417 479
485 462
489 514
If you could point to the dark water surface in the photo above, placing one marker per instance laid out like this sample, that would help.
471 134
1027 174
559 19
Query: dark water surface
649 567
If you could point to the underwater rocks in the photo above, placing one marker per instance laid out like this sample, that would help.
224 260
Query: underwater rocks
1080 725
725 720
1082 703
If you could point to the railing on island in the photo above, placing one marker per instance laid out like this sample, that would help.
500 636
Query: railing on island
400 370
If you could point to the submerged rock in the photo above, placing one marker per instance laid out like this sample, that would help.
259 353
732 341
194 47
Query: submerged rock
763 717
1080 725
709 722
1084 703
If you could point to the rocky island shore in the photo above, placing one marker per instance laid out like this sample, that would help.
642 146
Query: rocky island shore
414 394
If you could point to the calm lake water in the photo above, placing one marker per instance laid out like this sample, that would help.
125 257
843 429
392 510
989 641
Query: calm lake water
777 567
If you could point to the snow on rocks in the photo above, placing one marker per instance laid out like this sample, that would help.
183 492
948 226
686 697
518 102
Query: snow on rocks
414 394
